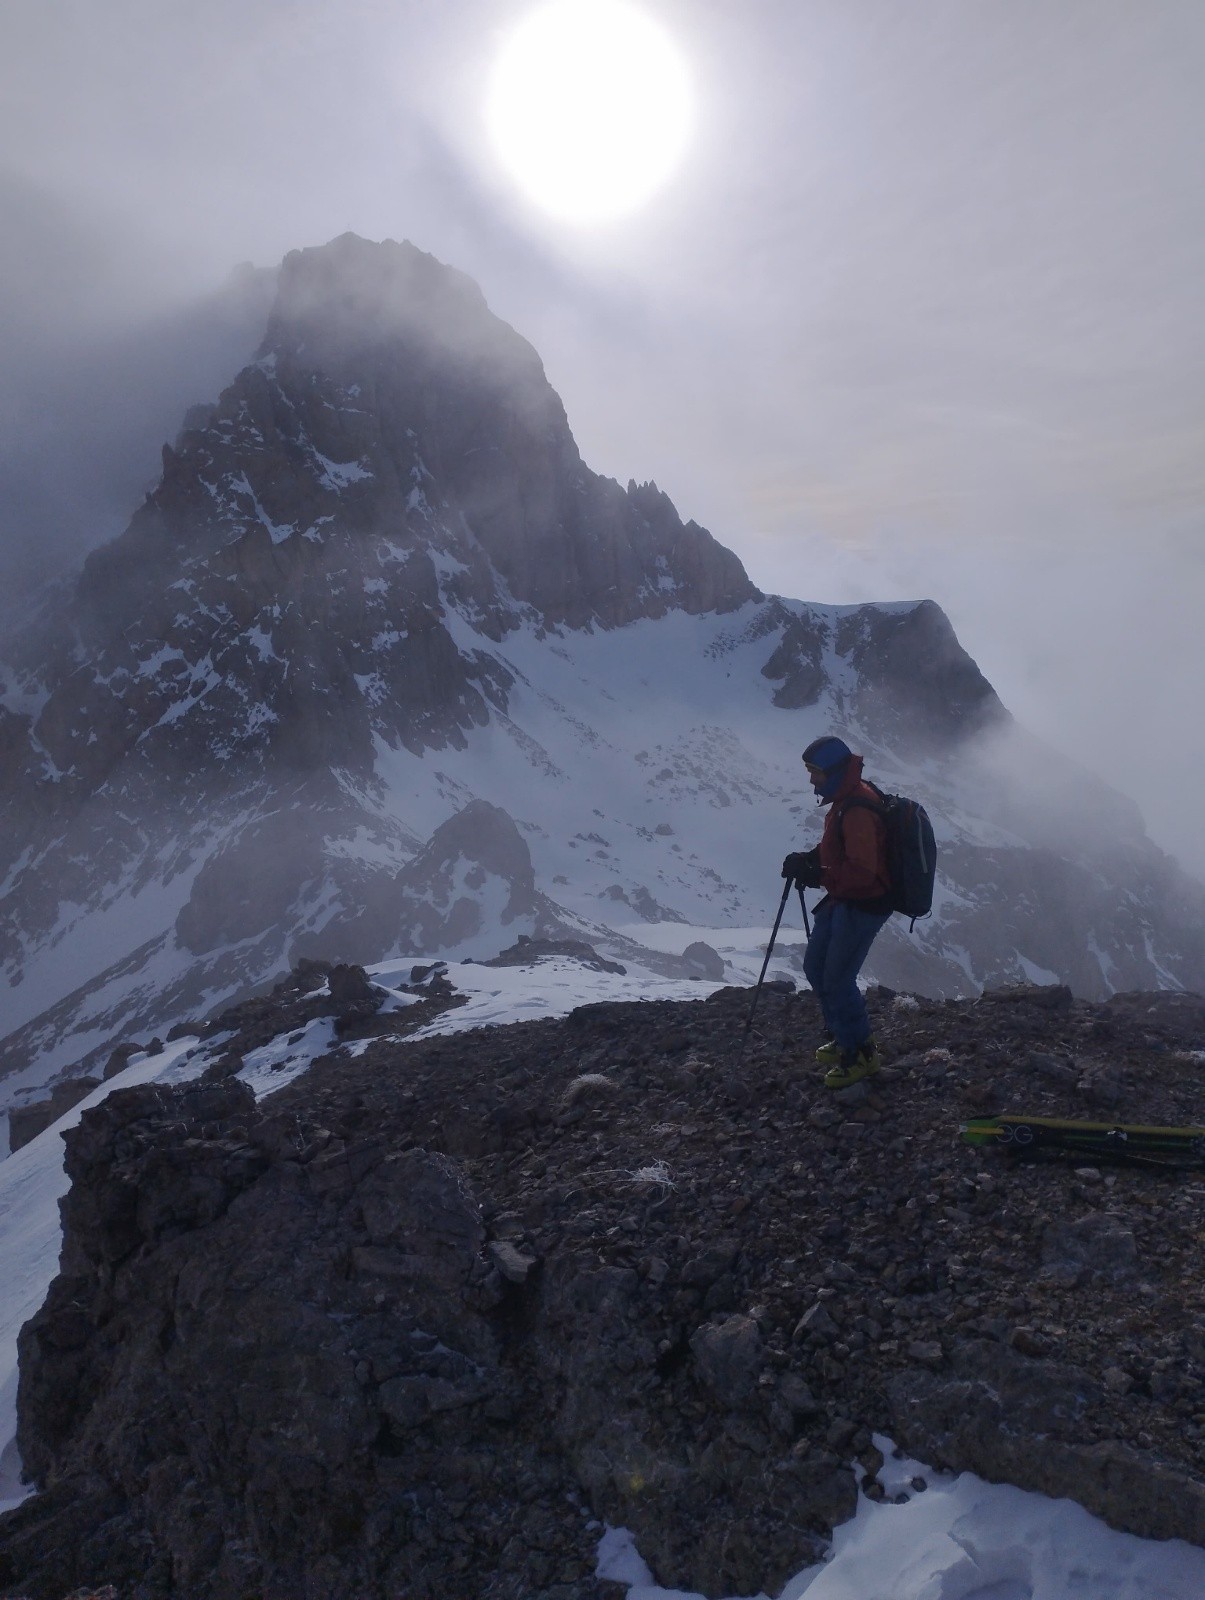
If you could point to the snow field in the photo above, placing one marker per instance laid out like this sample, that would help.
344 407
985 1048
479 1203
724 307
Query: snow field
649 762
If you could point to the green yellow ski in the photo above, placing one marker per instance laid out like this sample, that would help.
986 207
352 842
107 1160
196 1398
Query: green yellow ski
1022 1134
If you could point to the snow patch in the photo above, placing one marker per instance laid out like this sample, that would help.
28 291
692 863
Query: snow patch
960 1539
337 475
261 643
1041 976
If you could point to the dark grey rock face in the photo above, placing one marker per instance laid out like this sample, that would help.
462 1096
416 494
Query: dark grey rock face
436 901
26 1122
705 960
254 883
798 660
399 1329
990 1407
526 952
484 837
915 681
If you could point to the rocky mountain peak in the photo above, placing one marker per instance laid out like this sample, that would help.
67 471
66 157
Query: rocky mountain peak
911 680
387 401
394 455
355 303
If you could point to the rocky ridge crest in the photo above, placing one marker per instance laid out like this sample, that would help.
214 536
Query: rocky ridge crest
409 1323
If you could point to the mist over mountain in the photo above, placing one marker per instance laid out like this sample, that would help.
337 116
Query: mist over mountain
381 667
99 360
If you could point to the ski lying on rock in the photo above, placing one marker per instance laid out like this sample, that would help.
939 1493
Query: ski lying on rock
1021 1134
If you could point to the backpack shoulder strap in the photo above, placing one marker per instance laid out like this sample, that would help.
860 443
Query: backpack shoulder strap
859 802
877 808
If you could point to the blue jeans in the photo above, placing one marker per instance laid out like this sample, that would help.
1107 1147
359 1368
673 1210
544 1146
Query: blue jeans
842 935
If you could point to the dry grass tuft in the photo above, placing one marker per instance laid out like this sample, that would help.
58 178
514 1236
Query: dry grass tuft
658 1174
589 1086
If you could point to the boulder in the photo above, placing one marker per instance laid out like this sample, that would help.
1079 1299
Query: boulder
704 960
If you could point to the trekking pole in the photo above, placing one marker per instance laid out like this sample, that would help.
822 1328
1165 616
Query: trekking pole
757 992
803 906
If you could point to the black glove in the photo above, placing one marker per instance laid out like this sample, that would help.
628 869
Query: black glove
803 866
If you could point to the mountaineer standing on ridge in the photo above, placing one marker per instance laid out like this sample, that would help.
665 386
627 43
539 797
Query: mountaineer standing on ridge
850 864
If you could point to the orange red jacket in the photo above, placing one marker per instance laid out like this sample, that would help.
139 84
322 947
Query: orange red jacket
853 847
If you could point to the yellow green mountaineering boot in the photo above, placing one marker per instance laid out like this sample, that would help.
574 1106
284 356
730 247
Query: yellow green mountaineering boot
853 1066
829 1053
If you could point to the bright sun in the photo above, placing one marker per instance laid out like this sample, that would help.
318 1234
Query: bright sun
589 107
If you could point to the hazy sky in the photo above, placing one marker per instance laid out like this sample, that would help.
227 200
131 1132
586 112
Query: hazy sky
920 314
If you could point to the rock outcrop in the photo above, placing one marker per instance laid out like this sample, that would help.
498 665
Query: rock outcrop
474 875
25 1122
409 1324
911 682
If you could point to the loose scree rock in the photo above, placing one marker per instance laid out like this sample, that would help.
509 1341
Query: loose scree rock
409 1325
